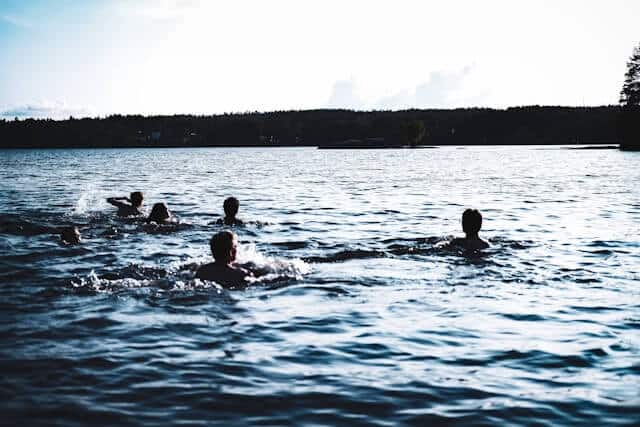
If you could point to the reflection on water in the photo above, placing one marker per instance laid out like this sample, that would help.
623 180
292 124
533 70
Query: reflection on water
360 318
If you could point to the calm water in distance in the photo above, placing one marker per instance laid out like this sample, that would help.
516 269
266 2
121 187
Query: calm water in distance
361 319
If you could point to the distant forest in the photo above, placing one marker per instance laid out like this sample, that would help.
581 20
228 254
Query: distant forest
470 126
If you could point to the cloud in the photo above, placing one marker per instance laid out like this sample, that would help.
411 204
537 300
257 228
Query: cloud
16 21
158 9
44 110
398 101
345 95
444 89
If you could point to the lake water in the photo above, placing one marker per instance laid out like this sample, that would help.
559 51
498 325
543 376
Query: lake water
362 319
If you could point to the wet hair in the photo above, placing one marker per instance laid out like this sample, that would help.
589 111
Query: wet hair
70 235
159 213
471 221
221 245
231 206
136 198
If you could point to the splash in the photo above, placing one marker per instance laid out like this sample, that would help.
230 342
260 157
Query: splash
268 269
89 202
111 284
180 275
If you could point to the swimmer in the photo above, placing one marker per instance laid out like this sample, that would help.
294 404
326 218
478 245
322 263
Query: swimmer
223 270
471 224
160 214
230 206
128 209
70 236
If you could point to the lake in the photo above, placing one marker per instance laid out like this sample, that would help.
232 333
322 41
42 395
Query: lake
362 319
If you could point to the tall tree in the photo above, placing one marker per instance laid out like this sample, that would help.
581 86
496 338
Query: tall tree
414 132
630 101
630 93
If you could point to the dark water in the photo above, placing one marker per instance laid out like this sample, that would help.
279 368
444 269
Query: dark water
362 319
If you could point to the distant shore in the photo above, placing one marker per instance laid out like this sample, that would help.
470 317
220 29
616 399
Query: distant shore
383 147
335 129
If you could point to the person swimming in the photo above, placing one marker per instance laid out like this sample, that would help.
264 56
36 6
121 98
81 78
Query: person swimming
471 224
223 270
230 206
160 214
70 236
128 209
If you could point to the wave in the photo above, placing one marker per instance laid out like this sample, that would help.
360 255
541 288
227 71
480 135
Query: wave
346 255
180 276
270 269
153 228
421 246
105 284
13 224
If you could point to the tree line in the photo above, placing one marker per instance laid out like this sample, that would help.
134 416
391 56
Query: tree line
629 122
467 126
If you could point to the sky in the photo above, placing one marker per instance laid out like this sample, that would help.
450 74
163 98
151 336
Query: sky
100 57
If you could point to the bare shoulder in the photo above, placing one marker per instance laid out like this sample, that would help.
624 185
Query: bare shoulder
237 275
227 276
206 272
476 245
469 244
125 210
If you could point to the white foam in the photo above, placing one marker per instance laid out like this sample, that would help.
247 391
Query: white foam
97 284
180 274
102 285
270 268
90 200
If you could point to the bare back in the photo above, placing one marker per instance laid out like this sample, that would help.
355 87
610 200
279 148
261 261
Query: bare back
124 209
470 244
225 275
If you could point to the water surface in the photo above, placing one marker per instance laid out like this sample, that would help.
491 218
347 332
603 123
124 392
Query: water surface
362 319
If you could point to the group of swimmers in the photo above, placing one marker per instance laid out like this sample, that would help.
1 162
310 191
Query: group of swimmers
127 207
224 244
131 206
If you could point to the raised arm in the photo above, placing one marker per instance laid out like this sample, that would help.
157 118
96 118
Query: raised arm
116 201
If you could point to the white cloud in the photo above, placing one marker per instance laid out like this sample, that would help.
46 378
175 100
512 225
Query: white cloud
158 9
345 95
444 89
45 110
16 21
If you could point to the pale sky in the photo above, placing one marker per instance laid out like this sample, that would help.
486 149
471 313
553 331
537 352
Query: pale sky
93 58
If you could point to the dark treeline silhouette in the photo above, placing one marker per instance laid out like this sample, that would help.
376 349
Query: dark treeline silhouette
471 126
630 102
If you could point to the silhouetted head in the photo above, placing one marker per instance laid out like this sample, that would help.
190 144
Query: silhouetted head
136 198
159 213
471 221
224 247
231 206
70 235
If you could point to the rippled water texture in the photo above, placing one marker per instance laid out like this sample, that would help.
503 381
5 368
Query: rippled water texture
362 319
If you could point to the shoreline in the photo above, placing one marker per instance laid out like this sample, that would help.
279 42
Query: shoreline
528 125
565 146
